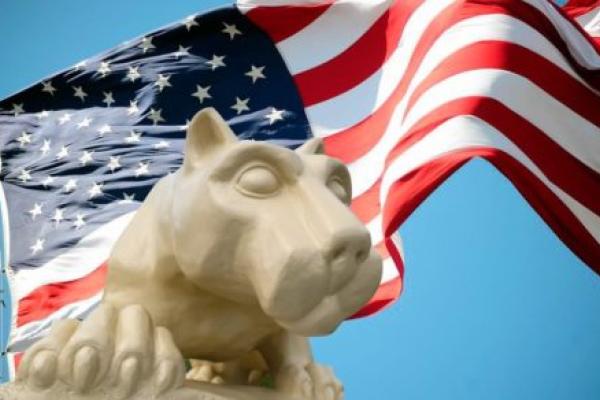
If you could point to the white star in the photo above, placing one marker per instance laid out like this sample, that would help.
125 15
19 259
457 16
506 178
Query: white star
201 93
79 93
84 123
182 51
36 210
127 198
189 22
24 176
24 139
256 73
80 65
45 149
48 88
95 190
134 137
146 44
64 152
65 118
155 116
86 157
42 114
113 164
48 181
104 129
133 108
133 74
142 169
162 82
58 216
241 105
79 221
274 115
163 144
216 62
108 98
231 30
104 68
37 246
17 109
70 186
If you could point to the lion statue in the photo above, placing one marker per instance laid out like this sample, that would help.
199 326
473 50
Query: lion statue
248 247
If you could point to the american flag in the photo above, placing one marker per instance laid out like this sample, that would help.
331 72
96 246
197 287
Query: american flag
404 92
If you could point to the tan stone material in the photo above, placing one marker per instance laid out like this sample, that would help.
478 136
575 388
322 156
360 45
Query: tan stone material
248 247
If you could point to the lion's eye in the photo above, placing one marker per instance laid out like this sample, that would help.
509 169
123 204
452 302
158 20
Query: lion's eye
339 190
258 181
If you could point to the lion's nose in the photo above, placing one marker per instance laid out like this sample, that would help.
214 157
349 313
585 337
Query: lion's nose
347 252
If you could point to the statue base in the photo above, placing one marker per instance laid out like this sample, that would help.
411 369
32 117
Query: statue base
191 391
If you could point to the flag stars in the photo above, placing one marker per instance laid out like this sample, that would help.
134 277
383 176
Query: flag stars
104 129
48 181
182 51
79 93
256 73
45 149
95 190
201 93
274 115
79 221
133 74
108 98
163 144
80 66
35 210
133 108
66 117
241 105
37 246
24 139
86 158
162 82
58 216
42 114
17 109
70 186
155 116
24 176
63 153
216 62
114 164
146 44
104 69
127 198
142 169
134 137
231 30
190 22
48 88
84 123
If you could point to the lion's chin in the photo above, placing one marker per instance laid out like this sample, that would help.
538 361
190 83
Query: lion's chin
321 320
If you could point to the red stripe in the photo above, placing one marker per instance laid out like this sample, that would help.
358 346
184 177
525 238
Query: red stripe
575 8
360 60
406 194
385 295
284 21
354 142
48 299
366 205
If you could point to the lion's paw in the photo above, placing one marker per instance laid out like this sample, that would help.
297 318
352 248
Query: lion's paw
312 382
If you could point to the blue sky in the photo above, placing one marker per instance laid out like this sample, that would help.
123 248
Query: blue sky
495 306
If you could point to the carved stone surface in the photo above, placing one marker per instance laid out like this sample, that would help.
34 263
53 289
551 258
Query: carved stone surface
248 247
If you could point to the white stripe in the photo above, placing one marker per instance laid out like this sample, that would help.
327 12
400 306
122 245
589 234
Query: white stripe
374 228
27 334
359 102
582 50
330 34
514 91
590 21
390 272
470 132
349 108
77 262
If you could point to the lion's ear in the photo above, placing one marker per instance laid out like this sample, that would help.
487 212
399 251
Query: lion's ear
207 134
312 146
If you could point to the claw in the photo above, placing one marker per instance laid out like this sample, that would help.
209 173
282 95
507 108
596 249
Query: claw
129 376
164 377
42 372
85 368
